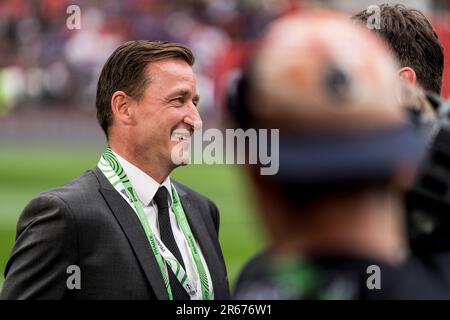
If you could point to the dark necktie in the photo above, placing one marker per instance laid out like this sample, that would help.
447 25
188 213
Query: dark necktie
162 201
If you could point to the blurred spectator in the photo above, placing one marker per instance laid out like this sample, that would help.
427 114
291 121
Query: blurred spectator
413 41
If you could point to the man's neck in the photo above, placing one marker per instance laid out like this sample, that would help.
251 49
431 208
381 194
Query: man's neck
151 167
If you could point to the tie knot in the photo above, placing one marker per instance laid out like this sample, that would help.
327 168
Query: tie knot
162 198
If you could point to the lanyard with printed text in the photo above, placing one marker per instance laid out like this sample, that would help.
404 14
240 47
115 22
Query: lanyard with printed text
112 169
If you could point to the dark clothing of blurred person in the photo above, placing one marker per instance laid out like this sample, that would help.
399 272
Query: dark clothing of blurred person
268 277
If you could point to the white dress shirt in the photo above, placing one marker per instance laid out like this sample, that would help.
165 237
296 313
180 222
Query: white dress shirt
146 188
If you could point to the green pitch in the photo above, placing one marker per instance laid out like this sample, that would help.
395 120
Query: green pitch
24 172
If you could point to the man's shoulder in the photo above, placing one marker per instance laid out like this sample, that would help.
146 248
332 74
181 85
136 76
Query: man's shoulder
71 201
77 194
82 186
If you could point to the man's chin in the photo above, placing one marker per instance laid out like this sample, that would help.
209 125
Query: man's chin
179 154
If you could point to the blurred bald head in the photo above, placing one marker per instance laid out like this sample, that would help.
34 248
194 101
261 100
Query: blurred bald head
321 73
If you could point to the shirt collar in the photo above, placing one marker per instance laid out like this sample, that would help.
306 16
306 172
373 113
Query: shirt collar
144 185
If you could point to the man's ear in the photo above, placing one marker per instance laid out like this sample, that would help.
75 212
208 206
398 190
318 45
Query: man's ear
408 74
122 107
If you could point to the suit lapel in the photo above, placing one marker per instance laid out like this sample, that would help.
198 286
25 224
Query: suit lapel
135 233
200 232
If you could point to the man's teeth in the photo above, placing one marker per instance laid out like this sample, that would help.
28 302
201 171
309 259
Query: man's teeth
180 136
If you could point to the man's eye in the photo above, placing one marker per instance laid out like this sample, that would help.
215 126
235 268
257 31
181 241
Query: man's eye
179 100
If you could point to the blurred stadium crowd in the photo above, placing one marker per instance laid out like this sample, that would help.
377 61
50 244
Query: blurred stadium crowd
43 63
41 60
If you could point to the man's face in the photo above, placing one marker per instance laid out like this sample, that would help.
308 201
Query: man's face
167 112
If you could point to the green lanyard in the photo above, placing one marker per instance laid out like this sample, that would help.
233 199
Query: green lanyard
112 169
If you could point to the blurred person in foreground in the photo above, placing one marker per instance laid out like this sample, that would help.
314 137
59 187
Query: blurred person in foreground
125 230
415 44
347 150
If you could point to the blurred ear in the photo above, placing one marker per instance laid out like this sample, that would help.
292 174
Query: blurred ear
408 74
122 107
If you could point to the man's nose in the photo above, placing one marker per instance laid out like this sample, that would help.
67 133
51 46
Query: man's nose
193 117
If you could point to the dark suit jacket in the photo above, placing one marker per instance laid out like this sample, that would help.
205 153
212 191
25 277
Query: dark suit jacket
87 223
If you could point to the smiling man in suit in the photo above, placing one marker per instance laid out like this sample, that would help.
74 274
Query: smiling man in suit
132 232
